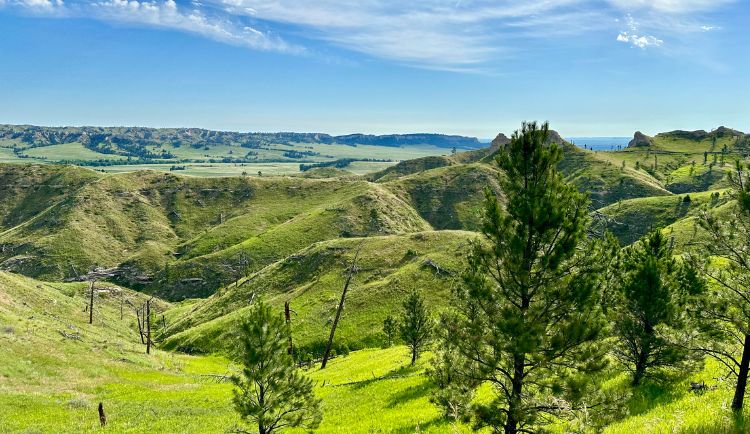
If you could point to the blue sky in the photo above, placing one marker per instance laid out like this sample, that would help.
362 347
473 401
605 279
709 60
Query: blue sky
473 67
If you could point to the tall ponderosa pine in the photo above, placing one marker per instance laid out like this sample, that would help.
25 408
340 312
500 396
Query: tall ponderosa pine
651 308
271 391
727 306
528 317
415 325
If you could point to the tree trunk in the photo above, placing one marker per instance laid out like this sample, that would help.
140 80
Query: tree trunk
148 326
640 369
91 303
739 391
642 361
336 321
288 318
511 425
413 355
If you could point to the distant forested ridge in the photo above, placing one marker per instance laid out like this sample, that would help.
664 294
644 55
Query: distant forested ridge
131 141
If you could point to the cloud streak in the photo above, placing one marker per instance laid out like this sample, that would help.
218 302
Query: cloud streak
456 35
166 14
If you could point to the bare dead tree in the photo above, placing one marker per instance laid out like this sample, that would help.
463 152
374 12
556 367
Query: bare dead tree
91 302
148 326
352 269
138 314
237 267
92 276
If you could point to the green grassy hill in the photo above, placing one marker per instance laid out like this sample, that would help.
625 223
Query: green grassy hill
52 382
56 368
312 280
180 235
683 161
448 197
279 228
604 181
630 219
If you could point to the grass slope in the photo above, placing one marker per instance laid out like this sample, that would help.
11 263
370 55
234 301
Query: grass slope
53 384
630 219
605 182
449 197
312 280
280 228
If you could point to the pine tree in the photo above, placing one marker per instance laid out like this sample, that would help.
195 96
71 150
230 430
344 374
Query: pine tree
650 314
452 393
390 326
271 391
415 325
726 312
528 317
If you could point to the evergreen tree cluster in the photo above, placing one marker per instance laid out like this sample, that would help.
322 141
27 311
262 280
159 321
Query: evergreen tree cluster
543 306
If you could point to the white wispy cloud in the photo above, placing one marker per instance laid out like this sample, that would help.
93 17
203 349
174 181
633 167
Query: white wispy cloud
439 34
631 36
639 41
457 35
165 14
671 6
659 19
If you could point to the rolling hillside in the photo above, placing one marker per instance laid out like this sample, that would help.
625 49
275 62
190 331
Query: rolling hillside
56 368
389 267
210 247
183 237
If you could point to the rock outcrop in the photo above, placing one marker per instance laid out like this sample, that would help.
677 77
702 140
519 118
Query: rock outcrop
640 140
499 141
555 137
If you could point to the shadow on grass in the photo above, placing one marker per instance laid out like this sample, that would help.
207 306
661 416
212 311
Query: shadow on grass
400 372
435 422
660 389
410 393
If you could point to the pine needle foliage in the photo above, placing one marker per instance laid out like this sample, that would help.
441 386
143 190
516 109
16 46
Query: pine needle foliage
415 326
652 309
271 391
528 315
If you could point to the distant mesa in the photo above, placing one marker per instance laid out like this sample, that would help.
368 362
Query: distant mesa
130 140
640 140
